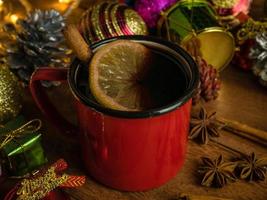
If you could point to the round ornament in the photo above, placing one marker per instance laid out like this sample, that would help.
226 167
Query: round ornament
10 95
187 20
108 19
150 10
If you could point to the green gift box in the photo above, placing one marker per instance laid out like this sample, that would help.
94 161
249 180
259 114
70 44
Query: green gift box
23 153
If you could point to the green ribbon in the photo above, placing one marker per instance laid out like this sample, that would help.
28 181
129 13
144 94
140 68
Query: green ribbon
28 128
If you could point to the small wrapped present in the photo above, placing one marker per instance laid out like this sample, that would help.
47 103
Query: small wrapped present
20 146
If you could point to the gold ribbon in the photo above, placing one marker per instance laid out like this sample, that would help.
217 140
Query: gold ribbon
28 128
250 29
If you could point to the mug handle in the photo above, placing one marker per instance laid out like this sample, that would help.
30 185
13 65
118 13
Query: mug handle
42 101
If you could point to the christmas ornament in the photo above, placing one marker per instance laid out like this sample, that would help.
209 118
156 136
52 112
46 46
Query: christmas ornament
228 10
217 172
231 7
203 127
10 94
210 84
43 182
108 19
20 146
253 168
189 19
249 30
150 10
39 43
258 53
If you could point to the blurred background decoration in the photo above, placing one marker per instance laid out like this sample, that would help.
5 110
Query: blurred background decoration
12 10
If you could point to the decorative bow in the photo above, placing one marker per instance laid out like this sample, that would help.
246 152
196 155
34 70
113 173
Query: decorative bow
28 128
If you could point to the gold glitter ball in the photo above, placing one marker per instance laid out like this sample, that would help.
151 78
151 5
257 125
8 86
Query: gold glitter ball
135 23
10 95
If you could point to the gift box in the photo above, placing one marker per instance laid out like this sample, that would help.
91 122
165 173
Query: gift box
21 149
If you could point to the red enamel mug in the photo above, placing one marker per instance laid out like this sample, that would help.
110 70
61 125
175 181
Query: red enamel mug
130 151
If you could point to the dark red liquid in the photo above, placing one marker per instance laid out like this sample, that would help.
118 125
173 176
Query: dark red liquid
164 82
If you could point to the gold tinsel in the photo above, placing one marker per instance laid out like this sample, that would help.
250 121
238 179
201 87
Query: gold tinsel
10 95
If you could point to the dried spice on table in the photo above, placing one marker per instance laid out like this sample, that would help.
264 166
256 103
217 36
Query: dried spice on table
217 172
203 127
20 146
252 168
199 197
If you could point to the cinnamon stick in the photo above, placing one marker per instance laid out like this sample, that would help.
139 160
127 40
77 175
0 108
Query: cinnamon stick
244 130
77 43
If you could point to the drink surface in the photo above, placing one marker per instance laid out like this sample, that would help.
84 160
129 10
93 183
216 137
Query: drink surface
162 84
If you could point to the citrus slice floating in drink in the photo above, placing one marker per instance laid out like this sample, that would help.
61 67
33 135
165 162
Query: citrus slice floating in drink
117 76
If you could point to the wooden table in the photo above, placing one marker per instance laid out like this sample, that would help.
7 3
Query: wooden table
241 99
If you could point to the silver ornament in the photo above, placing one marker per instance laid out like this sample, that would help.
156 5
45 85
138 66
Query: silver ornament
258 53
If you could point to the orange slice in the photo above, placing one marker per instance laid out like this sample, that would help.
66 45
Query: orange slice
117 74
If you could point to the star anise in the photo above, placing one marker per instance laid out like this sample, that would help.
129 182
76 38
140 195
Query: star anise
217 172
203 127
253 168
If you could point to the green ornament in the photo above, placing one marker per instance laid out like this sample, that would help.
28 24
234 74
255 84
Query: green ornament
21 151
10 95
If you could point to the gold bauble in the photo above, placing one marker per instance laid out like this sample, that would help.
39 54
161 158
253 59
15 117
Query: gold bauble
10 95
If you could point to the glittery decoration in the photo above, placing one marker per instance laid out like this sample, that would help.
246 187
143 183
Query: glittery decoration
43 182
232 7
134 22
10 95
38 188
109 19
150 10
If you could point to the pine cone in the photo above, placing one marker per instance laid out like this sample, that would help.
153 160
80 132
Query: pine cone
38 44
258 53
209 82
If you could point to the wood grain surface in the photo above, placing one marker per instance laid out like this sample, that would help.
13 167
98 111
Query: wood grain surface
241 99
